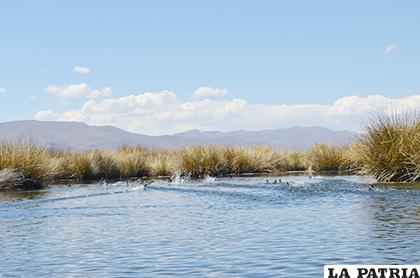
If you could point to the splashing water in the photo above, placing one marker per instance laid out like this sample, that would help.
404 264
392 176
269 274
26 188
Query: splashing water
179 179
210 180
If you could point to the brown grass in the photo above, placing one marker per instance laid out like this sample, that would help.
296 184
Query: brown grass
389 152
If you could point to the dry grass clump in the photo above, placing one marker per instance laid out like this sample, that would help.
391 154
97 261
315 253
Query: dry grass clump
132 162
390 151
188 160
161 163
217 161
268 159
103 165
352 157
413 153
93 165
36 164
252 160
294 161
201 161
323 157
214 162
75 166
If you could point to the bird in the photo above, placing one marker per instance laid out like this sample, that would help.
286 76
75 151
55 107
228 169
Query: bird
146 183
275 181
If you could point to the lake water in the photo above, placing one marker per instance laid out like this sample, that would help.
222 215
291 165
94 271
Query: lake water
216 228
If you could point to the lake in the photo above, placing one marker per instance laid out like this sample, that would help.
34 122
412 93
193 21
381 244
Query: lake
208 228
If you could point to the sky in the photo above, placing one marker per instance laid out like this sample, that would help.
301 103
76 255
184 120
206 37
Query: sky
159 67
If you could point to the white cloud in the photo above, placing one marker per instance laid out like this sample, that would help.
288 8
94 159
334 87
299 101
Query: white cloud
78 90
82 70
390 48
163 113
2 90
46 115
203 92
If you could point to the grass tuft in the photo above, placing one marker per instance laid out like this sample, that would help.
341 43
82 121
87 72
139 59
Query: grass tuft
132 162
294 161
324 157
390 151
35 164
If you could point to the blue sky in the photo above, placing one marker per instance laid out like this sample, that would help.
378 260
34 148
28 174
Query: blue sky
262 52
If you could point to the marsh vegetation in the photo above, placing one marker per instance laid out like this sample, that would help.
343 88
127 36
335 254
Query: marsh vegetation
389 151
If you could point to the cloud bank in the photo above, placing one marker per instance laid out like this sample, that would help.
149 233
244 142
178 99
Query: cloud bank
163 113
78 90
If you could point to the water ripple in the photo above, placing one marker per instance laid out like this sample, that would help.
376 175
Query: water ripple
211 228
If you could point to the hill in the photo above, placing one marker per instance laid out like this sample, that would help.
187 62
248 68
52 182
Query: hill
79 136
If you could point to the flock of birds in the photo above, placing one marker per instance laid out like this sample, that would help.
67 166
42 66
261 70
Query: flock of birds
275 182
146 182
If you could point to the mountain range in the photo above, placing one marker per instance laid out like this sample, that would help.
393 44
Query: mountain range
79 136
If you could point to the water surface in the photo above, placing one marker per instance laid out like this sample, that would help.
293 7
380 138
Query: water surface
216 228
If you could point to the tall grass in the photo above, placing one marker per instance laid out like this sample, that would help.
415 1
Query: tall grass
295 161
253 160
161 163
132 162
41 165
74 166
36 164
324 157
218 161
391 150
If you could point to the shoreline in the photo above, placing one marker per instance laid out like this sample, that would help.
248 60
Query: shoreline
71 182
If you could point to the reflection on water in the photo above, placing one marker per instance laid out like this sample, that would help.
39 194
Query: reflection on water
22 195
214 227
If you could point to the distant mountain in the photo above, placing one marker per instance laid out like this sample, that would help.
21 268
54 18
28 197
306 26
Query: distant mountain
79 136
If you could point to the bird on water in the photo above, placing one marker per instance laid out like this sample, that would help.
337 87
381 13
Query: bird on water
146 183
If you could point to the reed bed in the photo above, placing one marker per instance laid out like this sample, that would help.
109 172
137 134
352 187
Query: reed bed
28 163
390 152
